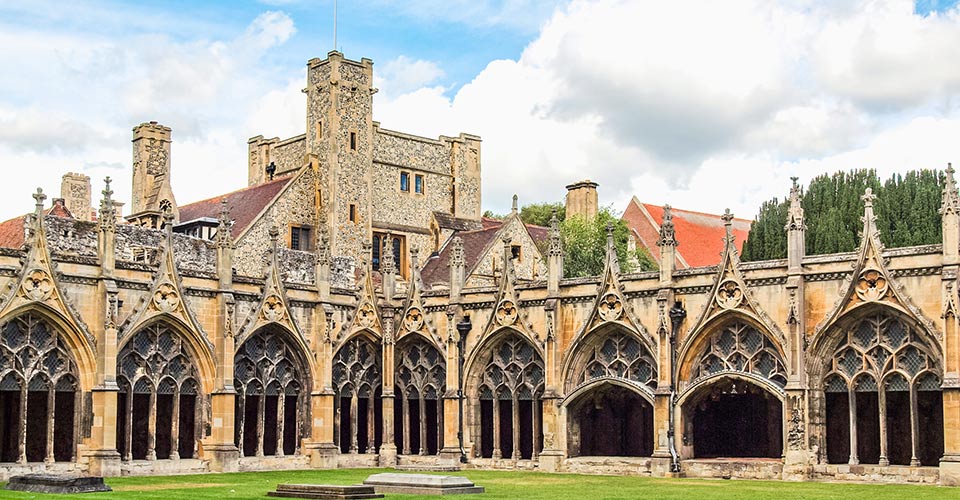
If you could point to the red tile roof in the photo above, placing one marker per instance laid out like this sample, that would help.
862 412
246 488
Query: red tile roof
12 231
700 234
244 204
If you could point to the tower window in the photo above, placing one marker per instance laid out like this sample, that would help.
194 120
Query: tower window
398 244
353 141
515 252
405 182
300 237
319 130
418 184
353 213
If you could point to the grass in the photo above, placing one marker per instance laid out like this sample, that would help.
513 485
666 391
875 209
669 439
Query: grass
504 485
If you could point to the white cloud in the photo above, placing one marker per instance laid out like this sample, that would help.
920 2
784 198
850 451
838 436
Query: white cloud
705 111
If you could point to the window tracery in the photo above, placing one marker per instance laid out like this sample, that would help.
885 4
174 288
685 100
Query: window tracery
741 347
619 355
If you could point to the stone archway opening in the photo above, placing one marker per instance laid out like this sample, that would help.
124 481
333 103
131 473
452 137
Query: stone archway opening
610 420
733 418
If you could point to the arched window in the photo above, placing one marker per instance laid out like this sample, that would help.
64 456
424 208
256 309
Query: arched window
619 355
420 384
357 382
157 408
883 398
740 347
269 380
39 393
510 391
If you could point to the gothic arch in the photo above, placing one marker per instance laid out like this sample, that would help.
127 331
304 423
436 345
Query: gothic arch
272 375
700 343
420 382
40 401
197 345
294 340
483 346
357 378
585 388
82 352
504 385
823 347
611 351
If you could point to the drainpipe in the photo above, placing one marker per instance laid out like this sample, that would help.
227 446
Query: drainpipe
677 314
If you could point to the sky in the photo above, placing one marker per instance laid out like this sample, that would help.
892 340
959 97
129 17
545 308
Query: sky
704 105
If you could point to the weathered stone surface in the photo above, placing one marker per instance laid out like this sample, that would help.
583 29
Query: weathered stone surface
54 483
324 491
422 484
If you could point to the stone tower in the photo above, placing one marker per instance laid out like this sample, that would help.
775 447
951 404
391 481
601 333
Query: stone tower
75 191
582 199
339 139
151 193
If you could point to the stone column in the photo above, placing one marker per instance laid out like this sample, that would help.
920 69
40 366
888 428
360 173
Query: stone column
175 426
882 403
450 453
405 409
241 403
261 410
551 419
281 398
423 425
22 426
388 449
950 218
496 427
321 447
51 418
515 413
152 426
852 395
354 413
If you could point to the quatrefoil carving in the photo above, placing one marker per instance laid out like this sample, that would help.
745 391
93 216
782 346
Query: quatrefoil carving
37 285
166 298
366 316
273 308
610 308
872 285
729 295
506 313
413 320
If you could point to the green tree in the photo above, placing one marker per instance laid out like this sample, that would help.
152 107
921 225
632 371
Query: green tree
539 214
585 245
906 208
490 215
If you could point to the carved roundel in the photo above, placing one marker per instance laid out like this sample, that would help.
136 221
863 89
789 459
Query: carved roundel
273 308
729 295
366 316
872 285
413 320
166 298
611 308
506 313
38 285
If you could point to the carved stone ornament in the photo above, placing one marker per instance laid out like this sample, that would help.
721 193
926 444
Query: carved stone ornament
166 298
610 308
729 295
506 313
872 285
366 316
413 320
38 285
273 309
796 432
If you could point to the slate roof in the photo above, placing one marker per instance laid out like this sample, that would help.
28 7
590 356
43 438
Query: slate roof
700 234
447 221
244 204
437 270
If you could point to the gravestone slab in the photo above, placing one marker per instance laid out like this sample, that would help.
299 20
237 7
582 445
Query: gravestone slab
422 484
325 491
56 483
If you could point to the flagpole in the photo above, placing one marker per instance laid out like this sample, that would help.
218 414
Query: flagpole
334 24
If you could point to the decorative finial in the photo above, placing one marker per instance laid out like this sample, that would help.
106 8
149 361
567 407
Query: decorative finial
39 197
274 234
727 217
868 198
168 219
668 234
388 264
456 252
107 192
224 236
555 242
514 207
795 210
951 198
107 212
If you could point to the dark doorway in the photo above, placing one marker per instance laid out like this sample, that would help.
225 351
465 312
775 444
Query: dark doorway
868 427
614 421
930 415
188 411
899 447
737 420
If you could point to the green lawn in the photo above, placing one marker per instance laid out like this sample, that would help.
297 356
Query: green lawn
504 485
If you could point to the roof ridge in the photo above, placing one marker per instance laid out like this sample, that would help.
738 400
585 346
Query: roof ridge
695 212
255 186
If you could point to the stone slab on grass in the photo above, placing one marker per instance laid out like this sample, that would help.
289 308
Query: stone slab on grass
57 483
325 491
422 484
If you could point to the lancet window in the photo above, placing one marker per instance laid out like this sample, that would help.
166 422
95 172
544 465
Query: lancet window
357 381
39 393
157 407
510 390
883 397
270 382
619 355
420 383
740 347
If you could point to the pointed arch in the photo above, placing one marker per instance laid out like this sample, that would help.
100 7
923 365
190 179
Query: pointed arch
616 351
420 382
699 343
482 346
357 378
79 347
198 346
